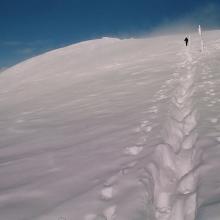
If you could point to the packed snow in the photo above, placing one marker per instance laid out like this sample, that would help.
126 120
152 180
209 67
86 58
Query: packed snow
113 129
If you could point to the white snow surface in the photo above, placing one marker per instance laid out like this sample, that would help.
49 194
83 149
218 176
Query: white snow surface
113 129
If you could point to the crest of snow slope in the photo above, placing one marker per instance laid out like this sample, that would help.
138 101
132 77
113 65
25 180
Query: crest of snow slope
80 125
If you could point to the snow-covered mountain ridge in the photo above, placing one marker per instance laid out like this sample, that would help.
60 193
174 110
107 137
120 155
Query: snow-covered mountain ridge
113 129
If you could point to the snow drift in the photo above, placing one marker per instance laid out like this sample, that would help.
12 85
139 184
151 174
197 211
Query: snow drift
113 129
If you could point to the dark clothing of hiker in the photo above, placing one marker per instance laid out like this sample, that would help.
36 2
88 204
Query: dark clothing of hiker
186 41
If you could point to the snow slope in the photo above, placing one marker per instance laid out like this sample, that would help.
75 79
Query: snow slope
113 129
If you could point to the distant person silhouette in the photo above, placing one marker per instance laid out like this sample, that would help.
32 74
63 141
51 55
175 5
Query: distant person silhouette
186 41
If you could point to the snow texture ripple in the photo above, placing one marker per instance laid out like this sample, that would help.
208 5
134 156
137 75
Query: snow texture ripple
113 129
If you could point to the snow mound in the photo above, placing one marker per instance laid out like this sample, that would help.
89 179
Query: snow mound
113 129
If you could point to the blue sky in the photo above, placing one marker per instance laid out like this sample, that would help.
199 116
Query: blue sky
31 27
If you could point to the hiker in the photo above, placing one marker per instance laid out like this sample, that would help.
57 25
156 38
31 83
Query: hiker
186 41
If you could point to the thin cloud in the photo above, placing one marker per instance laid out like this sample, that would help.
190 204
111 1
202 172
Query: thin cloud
15 43
25 51
12 43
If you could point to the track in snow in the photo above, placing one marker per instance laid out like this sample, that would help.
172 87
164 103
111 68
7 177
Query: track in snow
172 174
174 170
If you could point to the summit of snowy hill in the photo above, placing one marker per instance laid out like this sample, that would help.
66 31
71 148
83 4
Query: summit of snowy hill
113 129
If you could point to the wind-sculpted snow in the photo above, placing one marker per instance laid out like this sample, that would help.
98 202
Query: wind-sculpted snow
113 129
173 170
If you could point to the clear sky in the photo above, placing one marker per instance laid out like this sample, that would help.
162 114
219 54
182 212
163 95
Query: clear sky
31 27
